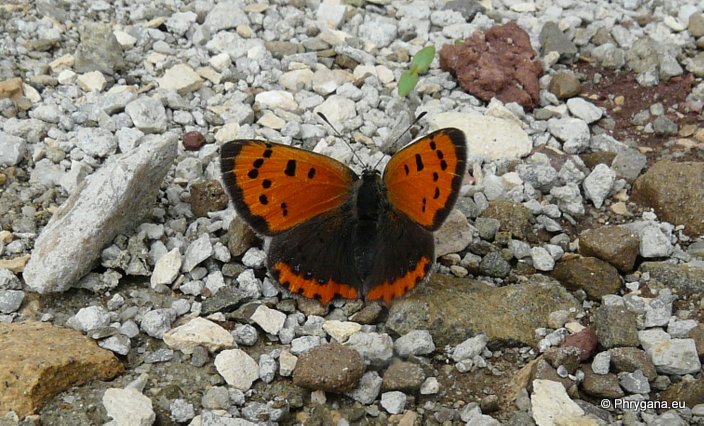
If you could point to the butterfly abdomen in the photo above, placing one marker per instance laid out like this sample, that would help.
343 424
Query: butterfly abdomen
369 206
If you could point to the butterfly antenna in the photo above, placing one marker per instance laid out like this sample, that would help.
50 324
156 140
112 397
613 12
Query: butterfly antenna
325 119
417 119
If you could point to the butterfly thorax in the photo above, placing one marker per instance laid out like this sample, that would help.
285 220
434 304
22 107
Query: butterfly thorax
370 204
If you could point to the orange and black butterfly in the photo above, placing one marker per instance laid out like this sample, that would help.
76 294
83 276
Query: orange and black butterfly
335 233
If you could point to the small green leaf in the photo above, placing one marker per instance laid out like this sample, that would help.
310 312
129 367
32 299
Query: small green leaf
407 82
423 59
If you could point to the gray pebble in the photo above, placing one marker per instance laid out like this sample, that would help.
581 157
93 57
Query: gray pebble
157 322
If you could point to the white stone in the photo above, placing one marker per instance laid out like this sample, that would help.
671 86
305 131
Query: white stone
66 77
327 81
270 320
181 78
124 39
341 330
89 318
148 114
551 404
227 132
128 407
95 142
198 332
297 80
430 386
237 368
542 260
583 109
197 251
12 149
287 363
394 402
375 348
273 99
220 62
271 120
92 81
331 14
574 133
598 184
653 242
254 258
339 110
488 138
601 363
415 342
675 356
95 213
167 268
470 348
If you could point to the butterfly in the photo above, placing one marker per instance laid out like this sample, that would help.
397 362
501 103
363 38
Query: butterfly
337 234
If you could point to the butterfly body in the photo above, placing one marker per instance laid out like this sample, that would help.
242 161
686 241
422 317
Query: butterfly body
334 233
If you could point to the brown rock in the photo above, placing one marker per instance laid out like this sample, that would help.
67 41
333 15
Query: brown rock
616 326
697 333
691 392
601 385
207 196
454 309
596 277
39 360
192 141
331 368
564 85
545 371
585 341
11 88
515 218
696 24
567 357
591 159
676 192
500 63
631 359
683 277
240 237
369 314
617 245
403 376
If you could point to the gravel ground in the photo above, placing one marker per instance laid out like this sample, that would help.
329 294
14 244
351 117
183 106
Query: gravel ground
569 281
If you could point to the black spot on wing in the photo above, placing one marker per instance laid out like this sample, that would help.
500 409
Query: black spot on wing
419 162
290 168
258 163
263 199
311 172
266 184
253 173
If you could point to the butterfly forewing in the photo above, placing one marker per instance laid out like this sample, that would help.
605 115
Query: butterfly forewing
423 179
276 187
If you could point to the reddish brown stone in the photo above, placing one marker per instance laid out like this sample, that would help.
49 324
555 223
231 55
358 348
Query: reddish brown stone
192 141
585 341
500 63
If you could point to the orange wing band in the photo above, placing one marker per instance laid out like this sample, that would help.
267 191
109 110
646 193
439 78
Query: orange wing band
276 187
424 179
311 288
397 288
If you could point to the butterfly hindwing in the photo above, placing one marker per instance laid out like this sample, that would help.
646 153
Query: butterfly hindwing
316 259
405 253
276 187
423 180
